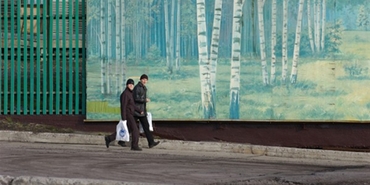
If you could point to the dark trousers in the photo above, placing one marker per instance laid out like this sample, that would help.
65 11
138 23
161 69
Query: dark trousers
145 124
133 130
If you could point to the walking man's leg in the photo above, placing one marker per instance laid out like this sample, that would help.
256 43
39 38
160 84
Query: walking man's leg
134 131
144 123
109 138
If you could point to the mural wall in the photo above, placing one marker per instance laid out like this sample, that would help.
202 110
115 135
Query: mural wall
297 60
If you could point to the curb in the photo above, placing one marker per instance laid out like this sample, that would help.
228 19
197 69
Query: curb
34 180
258 150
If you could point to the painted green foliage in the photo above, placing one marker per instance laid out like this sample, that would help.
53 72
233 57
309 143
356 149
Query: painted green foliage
326 70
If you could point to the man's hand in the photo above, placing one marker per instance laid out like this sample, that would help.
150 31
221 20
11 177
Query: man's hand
147 100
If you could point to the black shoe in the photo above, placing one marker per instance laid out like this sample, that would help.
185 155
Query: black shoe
136 148
121 143
154 144
107 141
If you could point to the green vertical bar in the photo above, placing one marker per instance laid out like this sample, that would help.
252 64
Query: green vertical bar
70 63
50 54
84 57
19 88
5 104
38 69
64 65
77 85
44 58
32 63
57 64
25 64
12 66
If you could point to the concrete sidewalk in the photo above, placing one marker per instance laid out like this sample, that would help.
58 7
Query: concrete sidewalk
272 151
91 139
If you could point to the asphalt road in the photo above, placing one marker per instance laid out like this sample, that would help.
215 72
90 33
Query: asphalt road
162 166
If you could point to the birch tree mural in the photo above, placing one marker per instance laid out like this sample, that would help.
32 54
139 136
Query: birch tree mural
235 60
118 60
293 75
112 70
103 57
211 37
323 20
312 45
214 51
177 62
284 43
204 67
172 39
318 18
273 43
261 26
167 38
172 31
109 48
123 44
317 13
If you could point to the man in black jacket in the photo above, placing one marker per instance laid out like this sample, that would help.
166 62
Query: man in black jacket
128 109
141 99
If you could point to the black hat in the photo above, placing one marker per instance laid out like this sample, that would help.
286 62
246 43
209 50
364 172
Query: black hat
130 81
144 76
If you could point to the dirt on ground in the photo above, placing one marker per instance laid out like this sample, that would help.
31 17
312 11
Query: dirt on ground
9 124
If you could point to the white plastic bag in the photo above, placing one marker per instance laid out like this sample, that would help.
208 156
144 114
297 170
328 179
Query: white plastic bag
122 131
149 117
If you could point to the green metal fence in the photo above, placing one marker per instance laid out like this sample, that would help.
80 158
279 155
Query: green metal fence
42 57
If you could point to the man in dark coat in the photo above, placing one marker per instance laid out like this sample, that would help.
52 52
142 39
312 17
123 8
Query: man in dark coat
141 99
128 109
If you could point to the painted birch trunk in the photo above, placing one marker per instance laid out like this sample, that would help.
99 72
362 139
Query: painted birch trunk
273 43
293 75
261 27
172 40
167 33
123 45
319 25
235 60
204 67
316 25
102 48
118 9
109 48
284 62
309 24
178 23
323 20
214 51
